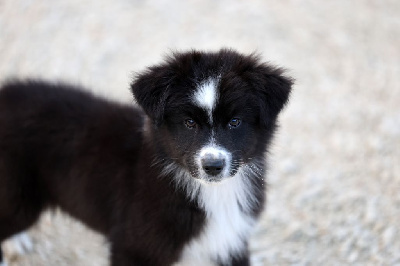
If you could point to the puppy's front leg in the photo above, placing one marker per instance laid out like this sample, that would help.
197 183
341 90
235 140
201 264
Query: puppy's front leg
242 260
121 256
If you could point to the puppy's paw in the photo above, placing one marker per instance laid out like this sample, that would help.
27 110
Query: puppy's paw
19 244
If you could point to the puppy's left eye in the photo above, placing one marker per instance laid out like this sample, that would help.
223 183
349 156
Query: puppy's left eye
235 122
190 123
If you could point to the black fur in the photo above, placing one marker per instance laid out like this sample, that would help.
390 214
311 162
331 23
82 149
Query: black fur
95 159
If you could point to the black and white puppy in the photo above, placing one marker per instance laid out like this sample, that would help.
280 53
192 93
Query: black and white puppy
180 180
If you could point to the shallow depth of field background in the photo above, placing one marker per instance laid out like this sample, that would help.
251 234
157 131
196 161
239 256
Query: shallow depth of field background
334 179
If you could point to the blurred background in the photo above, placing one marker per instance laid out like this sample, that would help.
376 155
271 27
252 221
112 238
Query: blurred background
334 180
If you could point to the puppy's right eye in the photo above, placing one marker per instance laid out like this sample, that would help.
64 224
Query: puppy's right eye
190 123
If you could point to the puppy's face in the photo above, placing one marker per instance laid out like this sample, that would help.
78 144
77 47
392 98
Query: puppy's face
210 132
213 113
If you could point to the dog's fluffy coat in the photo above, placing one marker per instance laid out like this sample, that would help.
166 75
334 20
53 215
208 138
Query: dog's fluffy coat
139 176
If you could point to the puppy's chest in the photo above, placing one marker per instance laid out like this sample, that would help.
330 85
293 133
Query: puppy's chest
226 230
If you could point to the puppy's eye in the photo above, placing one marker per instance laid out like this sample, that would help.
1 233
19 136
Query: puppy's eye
190 123
235 122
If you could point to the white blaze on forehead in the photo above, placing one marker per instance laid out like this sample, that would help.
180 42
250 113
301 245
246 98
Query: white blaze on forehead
206 95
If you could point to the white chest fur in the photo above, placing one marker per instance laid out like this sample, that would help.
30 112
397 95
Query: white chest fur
227 226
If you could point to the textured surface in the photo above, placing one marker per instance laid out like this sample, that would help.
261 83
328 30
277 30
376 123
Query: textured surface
334 194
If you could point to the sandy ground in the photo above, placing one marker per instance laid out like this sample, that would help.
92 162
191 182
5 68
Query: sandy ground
334 194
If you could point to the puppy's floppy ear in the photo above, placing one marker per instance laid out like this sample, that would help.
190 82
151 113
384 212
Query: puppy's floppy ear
273 89
150 89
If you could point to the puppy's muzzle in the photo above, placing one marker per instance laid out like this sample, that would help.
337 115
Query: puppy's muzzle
212 165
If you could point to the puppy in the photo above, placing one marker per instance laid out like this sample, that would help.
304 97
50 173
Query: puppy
179 180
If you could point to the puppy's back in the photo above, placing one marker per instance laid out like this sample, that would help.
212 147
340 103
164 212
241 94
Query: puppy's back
54 139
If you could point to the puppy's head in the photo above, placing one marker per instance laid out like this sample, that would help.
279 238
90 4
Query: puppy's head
212 113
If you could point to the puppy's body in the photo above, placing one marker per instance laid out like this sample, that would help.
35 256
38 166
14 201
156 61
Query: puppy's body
180 182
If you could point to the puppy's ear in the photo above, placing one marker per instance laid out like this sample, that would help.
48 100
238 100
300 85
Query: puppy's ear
150 89
273 89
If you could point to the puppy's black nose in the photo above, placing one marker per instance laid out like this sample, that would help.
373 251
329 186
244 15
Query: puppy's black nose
212 166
